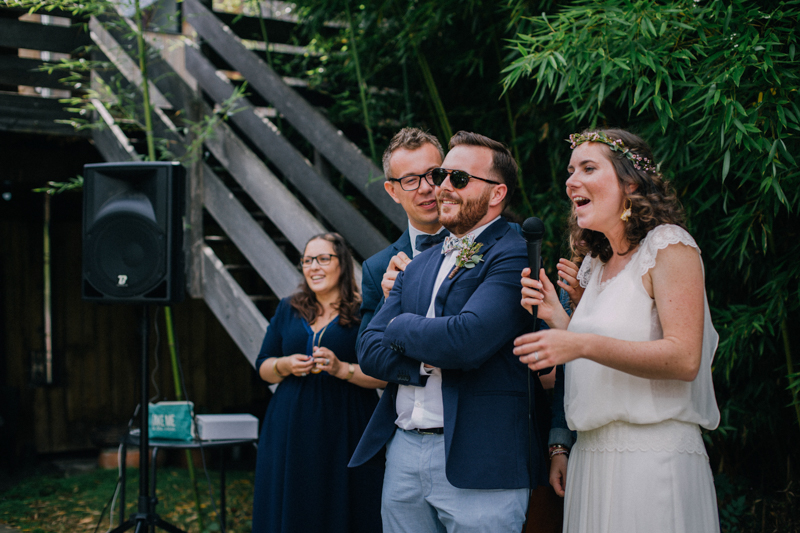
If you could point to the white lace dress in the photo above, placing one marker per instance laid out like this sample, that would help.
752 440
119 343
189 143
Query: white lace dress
639 464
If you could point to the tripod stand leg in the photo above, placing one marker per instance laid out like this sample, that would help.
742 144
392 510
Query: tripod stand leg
222 517
124 526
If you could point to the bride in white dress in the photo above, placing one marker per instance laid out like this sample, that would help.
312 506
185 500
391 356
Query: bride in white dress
638 350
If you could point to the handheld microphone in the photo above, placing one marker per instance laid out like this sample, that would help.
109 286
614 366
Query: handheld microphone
532 232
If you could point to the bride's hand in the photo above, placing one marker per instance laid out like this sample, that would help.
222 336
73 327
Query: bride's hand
542 294
568 274
547 348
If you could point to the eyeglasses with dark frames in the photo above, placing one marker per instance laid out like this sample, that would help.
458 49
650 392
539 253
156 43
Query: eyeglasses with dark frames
413 181
321 259
458 178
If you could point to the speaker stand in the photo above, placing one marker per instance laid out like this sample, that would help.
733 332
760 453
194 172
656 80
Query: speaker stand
145 520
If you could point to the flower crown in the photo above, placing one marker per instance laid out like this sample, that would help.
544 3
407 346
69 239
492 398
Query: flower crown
639 162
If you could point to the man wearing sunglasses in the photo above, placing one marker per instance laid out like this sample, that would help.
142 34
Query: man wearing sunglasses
460 452
411 154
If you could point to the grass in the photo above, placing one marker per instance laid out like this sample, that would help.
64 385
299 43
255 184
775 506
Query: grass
53 503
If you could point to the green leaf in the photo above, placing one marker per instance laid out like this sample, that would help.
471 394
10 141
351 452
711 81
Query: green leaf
650 27
682 25
639 86
786 153
772 150
669 87
621 64
657 102
726 164
728 19
781 116
776 186
601 92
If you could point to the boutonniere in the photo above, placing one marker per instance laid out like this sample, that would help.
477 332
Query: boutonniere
467 257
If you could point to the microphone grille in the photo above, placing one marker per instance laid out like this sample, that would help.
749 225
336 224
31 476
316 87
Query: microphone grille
533 229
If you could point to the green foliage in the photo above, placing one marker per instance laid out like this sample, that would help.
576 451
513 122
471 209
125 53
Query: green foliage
713 85
93 7
57 187
732 504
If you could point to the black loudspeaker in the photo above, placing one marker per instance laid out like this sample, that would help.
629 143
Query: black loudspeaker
133 232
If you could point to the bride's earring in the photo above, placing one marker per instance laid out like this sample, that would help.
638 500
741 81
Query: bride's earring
626 214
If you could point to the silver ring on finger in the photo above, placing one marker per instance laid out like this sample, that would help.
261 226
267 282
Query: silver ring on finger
536 356
304 374
327 362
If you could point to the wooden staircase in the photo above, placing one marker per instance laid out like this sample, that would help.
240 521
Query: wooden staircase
254 198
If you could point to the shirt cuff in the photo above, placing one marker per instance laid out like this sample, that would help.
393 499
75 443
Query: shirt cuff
560 436
424 371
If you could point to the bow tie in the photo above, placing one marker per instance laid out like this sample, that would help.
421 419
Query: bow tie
423 242
455 243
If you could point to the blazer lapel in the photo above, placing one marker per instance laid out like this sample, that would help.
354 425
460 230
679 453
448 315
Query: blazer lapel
403 244
488 237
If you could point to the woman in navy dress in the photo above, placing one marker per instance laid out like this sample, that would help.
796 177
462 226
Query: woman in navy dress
321 407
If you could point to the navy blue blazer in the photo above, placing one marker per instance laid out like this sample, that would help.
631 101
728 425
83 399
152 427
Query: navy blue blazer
372 271
489 443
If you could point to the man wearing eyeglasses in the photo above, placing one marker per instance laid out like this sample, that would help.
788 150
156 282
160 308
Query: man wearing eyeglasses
410 155
461 454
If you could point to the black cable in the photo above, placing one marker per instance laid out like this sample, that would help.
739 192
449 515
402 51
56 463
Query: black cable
155 357
103 512
210 487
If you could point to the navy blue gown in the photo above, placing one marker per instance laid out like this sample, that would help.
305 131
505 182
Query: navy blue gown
310 430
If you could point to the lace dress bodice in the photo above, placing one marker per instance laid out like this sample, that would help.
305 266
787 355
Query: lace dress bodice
620 307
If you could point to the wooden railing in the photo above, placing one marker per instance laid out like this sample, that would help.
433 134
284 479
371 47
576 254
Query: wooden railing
209 278
25 111
325 137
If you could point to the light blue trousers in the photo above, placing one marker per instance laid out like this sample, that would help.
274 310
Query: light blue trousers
417 498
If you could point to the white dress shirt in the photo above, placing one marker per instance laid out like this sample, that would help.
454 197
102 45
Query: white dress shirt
421 407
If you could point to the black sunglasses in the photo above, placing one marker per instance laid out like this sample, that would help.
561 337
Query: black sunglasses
458 178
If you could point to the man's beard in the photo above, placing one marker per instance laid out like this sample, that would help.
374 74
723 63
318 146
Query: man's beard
470 212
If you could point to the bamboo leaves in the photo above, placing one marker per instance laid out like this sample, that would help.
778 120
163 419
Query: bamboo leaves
714 87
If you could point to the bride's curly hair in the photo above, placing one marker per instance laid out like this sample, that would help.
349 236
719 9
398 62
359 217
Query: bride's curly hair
653 200
304 301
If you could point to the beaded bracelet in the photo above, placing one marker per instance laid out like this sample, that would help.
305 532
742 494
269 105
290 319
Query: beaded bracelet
558 449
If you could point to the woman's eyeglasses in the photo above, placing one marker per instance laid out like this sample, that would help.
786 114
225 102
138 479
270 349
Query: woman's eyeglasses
458 178
321 259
